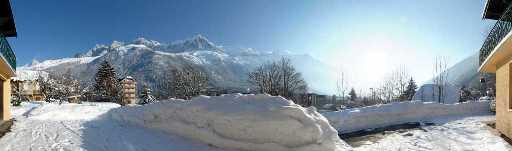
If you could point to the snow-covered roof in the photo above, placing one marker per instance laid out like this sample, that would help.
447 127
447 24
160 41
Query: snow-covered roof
127 78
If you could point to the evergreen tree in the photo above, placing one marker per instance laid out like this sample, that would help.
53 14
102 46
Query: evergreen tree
16 94
146 97
46 87
352 94
69 85
107 87
464 94
411 90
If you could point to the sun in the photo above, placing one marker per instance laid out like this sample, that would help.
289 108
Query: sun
375 64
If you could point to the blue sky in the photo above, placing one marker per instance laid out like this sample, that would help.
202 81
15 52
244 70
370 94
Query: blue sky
351 35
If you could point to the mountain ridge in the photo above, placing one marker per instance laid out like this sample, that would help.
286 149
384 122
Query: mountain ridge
147 60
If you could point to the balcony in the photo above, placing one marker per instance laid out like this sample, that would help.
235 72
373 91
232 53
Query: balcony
500 29
7 52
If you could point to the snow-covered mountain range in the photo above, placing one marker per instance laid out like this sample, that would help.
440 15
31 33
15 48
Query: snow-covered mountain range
148 60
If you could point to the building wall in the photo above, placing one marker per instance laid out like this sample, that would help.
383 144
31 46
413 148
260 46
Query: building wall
503 111
128 91
29 89
6 101
6 91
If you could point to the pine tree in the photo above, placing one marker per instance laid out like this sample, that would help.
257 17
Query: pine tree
352 94
16 94
70 85
107 87
464 94
411 89
46 87
146 97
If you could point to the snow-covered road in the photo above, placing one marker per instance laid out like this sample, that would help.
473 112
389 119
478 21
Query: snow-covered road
449 134
77 127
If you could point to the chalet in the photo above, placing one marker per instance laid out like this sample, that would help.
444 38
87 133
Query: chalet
27 90
8 59
496 57
128 86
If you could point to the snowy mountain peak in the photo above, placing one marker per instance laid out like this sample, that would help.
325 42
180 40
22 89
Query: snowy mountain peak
144 41
200 37
98 50
198 42
34 61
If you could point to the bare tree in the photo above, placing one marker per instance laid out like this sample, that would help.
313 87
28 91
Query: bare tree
341 85
292 81
440 79
388 89
394 85
278 78
402 79
187 82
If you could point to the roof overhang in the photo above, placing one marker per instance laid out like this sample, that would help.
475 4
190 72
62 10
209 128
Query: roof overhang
500 55
495 8
7 26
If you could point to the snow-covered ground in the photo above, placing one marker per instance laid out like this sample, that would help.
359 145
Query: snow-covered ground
459 126
235 122
42 126
449 134
244 122
400 112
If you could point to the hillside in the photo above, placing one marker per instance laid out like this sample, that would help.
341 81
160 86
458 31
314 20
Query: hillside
149 61
463 73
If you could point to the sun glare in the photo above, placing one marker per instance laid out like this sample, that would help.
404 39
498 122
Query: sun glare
375 64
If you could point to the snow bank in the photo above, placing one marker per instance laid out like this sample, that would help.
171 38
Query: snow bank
400 112
243 122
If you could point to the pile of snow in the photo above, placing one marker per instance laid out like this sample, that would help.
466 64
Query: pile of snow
236 121
400 112
82 127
